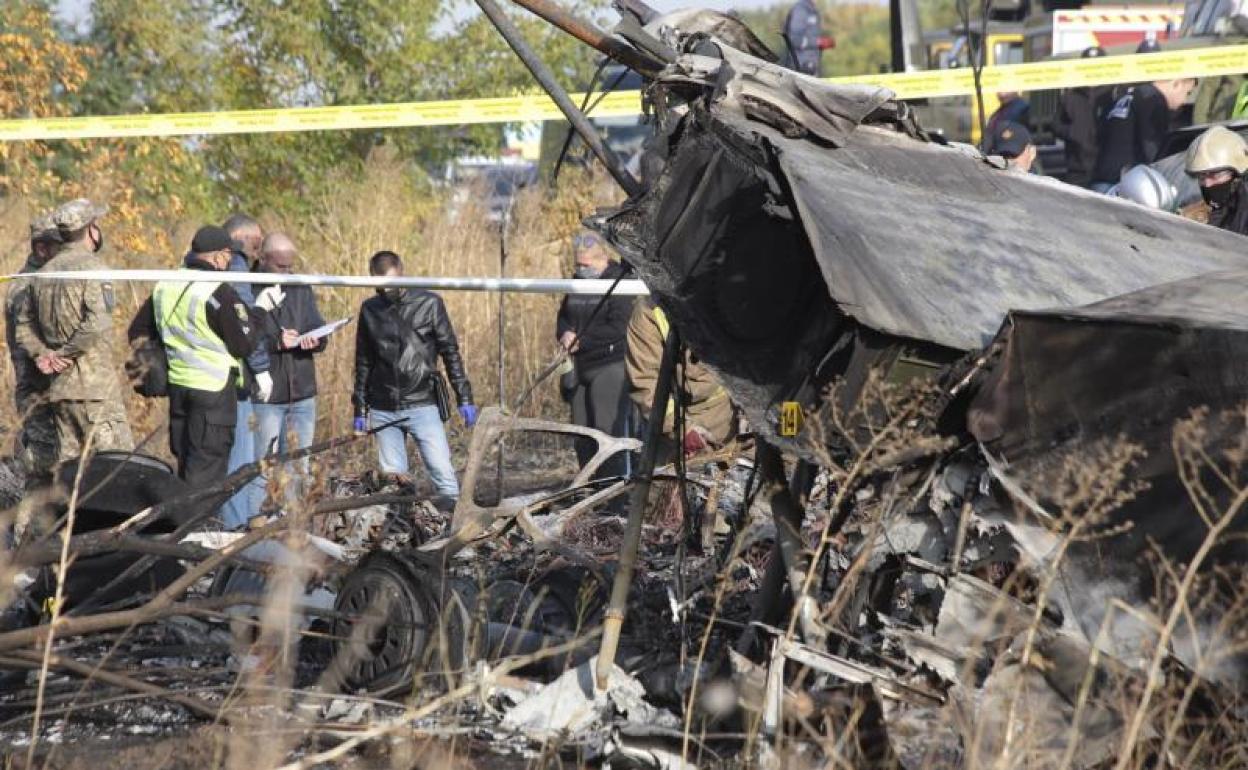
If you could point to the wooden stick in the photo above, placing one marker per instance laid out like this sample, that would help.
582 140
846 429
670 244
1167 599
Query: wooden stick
613 621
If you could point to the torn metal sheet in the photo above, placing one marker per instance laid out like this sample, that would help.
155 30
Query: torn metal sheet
975 614
797 232
572 704
885 682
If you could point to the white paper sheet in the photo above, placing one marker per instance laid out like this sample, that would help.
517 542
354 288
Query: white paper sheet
324 331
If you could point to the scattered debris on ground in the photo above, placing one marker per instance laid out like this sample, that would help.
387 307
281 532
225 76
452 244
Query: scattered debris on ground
966 530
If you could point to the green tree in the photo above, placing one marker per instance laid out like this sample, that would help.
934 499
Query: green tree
325 52
860 29
186 55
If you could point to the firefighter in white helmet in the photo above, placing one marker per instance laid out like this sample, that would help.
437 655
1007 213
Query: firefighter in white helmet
1217 160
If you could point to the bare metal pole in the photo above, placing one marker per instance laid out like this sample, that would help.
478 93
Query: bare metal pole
613 622
591 36
547 80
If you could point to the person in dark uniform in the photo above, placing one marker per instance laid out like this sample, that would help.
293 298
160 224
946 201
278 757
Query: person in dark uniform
1078 124
1134 128
803 33
599 383
1014 109
1012 141
1217 160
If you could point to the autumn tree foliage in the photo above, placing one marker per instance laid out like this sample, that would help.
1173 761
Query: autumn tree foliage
138 56
43 74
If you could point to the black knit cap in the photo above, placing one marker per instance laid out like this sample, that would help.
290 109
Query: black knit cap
210 238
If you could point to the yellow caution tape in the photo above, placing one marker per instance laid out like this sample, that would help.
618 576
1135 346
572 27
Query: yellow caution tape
591 286
1065 73
514 109
1031 76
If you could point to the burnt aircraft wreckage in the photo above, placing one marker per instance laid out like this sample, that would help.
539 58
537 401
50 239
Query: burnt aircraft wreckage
1014 491
810 240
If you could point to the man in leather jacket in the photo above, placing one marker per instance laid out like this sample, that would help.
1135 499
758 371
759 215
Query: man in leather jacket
401 333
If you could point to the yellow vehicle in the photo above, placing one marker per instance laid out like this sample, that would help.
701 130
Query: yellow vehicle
957 118
1018 32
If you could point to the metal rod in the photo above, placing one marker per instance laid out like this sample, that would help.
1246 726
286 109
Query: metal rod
560 97
613 622
769 605
596 286
591 36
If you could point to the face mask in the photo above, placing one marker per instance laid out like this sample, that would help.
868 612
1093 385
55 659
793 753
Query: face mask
393 294
39 256
1219 195
586 271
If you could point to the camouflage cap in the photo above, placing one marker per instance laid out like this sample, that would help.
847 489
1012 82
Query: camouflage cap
42 228
77 214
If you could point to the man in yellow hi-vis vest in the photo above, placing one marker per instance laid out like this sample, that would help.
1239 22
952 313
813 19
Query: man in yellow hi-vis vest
710 419
206 329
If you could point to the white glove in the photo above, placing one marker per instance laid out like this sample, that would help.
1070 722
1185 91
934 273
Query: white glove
264 387
270 298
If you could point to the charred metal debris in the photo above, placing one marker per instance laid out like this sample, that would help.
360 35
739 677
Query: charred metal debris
989 511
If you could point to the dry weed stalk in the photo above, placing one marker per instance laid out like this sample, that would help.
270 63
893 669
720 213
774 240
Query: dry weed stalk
887 422
1191 445
58 598
1084 489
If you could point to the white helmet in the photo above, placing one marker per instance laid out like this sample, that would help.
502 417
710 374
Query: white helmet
1146 186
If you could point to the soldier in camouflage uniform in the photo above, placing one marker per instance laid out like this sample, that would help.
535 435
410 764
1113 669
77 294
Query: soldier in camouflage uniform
36 443
67 327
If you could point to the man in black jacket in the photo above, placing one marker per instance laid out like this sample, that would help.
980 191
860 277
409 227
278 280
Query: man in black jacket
401 333
1079 123
599 395
286 420
1134 128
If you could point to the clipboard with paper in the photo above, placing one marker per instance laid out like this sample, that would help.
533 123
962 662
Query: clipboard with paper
323 331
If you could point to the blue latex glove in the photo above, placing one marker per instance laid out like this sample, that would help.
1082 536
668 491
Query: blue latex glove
360 424
469 413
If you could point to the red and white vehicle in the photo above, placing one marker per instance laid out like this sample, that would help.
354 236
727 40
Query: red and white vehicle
1112 26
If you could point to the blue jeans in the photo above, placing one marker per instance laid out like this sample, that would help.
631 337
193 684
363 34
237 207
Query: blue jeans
424 424
276 426
239 508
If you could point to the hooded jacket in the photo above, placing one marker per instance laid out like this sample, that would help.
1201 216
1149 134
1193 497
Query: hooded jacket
397 343
1131 132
